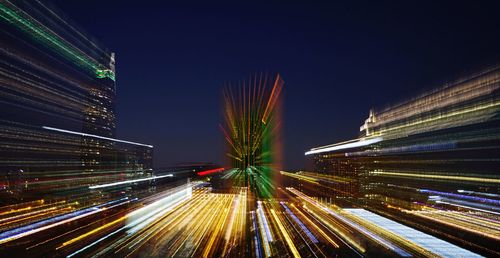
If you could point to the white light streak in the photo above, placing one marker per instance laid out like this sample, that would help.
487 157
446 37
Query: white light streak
432 244
138 219
129 181
94 136
359 143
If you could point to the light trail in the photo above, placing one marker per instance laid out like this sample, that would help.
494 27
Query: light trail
46 36
256 238
479 193
34 210
94 136
219 228
76 239
136 240
152 231
440 217
53 222
278 85
328 238
430 176
335 229
439 117
129 181
210 171
428 242
36 215
265 225
352 224
264 229
359 143
469 207
301 225
368 233
95 243
138 219
461 196
236 229
298 176
288 240
16 207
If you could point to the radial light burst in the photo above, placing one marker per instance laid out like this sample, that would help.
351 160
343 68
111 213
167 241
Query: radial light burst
252 130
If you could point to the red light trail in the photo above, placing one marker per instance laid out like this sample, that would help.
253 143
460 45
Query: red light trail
210 171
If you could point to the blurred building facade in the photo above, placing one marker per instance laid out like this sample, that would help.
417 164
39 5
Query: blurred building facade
57 102
433 160
433 148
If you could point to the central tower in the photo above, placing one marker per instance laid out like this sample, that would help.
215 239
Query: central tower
252 130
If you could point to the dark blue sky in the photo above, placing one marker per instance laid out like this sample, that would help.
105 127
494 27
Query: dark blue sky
337 61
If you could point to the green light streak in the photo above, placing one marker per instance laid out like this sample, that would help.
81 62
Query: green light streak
48 38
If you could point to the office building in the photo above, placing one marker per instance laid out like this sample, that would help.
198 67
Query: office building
433 160
58 120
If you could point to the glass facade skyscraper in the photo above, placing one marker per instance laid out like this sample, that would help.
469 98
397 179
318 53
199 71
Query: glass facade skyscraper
58 120
432 159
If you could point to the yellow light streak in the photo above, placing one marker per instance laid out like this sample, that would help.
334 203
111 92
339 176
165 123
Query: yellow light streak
50 211
288 240
301 177
456 113
219 228
316 227
437 217
91 232
458 178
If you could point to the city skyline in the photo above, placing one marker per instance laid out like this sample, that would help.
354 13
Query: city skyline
249 130
372 55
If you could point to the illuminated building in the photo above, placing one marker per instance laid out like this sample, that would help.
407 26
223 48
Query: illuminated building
57 102
438 151
252 131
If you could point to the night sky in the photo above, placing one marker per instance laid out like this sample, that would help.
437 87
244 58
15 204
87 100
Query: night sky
337 61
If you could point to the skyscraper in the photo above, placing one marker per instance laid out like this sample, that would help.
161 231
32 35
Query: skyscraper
252 130
58 120
432 159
